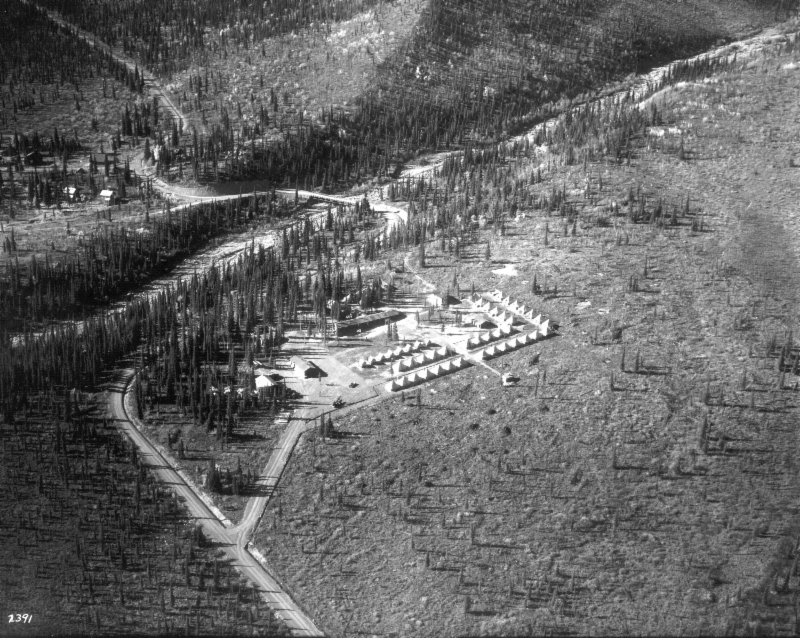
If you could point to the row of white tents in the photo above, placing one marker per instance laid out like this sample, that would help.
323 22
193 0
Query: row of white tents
491 335
509 309
497 349
422 359
497 312
426 374
396 353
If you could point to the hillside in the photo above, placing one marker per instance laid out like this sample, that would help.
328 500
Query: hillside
536 375
631 471
398 77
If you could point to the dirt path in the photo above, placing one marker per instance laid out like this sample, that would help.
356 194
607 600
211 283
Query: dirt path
299 424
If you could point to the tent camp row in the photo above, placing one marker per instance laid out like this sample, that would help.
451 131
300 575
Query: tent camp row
497 295
503 317
488 303
491 335
427 374
400 351
521 340
422 359
496 312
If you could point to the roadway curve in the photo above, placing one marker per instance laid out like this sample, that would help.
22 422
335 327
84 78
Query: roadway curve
231 540
641 90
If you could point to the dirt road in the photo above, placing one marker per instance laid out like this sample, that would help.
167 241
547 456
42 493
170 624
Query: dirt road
232 540
150 82
269 480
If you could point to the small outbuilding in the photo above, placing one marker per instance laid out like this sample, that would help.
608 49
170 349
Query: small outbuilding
72 193
440 299
304 368
109 197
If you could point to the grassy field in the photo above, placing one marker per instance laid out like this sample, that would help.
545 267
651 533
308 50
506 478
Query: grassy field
654 494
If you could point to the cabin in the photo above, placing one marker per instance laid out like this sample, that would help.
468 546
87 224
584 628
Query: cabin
305 369
367 322
72 194
102 161
109 197
440 299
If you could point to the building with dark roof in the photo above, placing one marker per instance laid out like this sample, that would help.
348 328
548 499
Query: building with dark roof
440 298
367 322
304 368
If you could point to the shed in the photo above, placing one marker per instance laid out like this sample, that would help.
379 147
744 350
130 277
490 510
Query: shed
304 368
73 194
109 197
439 298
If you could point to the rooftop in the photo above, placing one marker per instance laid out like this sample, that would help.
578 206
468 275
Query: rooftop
367 319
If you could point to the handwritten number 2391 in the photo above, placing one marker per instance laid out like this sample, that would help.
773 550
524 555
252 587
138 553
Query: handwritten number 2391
20 618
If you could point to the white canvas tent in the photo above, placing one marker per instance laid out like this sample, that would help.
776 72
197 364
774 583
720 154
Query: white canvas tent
264 382
544 328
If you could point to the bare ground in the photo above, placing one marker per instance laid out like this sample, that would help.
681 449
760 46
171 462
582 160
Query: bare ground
600 509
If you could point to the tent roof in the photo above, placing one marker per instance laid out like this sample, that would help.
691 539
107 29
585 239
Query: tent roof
264 382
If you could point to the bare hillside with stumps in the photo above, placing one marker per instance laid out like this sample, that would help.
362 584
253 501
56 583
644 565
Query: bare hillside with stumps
399 318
